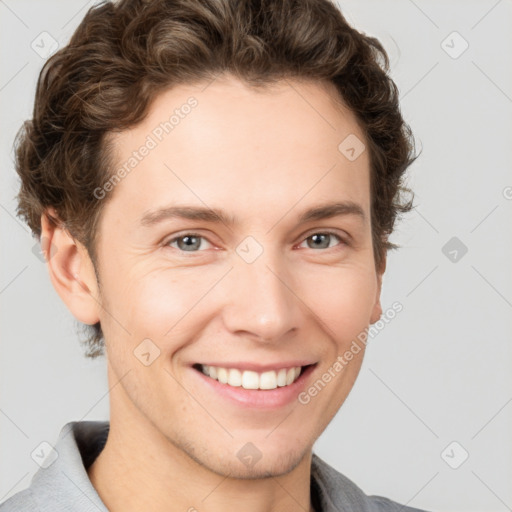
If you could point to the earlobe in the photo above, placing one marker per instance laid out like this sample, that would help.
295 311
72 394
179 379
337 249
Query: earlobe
71 270
377 312
377 308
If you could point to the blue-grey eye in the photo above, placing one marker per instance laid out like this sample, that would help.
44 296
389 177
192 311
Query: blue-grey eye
321 240
189 242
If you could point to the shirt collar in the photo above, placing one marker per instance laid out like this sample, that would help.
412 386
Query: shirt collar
65 481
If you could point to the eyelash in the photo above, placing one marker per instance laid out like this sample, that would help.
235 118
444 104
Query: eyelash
343 242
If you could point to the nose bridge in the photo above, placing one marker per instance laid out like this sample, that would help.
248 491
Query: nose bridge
259 299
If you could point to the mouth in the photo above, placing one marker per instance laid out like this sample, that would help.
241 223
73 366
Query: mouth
253 380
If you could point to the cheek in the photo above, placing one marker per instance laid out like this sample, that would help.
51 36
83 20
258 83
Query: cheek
163 304
158 304
342 298
154 306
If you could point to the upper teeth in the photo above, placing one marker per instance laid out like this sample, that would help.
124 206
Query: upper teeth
252 380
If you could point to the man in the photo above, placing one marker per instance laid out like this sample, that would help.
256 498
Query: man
214 184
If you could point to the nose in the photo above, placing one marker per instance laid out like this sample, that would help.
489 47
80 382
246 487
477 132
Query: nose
260 300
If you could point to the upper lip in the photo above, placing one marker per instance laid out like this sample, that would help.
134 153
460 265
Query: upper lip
255 367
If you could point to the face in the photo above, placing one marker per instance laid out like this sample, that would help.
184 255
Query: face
221 247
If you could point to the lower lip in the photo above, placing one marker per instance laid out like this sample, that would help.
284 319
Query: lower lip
258 398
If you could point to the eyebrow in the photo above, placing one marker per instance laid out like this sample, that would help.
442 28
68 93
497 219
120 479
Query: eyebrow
216 215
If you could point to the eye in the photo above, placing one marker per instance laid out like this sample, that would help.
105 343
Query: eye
192 242
189 242
321 240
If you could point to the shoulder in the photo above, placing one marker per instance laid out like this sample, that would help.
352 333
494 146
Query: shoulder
22 501
381 504
335 492
62 482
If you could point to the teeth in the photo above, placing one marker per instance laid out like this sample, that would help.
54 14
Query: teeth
290 376
252 380
268 380
234 377
281 377
222 375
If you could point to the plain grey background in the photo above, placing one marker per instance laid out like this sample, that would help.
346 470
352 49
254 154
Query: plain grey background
436 383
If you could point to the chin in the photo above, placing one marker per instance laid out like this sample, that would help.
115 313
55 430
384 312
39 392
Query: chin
267 466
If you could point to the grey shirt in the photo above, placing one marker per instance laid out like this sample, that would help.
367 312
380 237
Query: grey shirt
64 484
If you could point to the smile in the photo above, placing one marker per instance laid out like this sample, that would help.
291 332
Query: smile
249 379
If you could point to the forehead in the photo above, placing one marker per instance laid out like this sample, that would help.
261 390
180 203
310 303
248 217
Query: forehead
230 144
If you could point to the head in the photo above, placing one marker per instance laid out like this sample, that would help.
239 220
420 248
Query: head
257 113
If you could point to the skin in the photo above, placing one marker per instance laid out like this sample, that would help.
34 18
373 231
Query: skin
265 157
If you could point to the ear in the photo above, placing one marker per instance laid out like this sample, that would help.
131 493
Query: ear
377 308
71 270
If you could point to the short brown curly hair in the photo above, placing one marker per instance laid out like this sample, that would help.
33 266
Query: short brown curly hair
124 53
